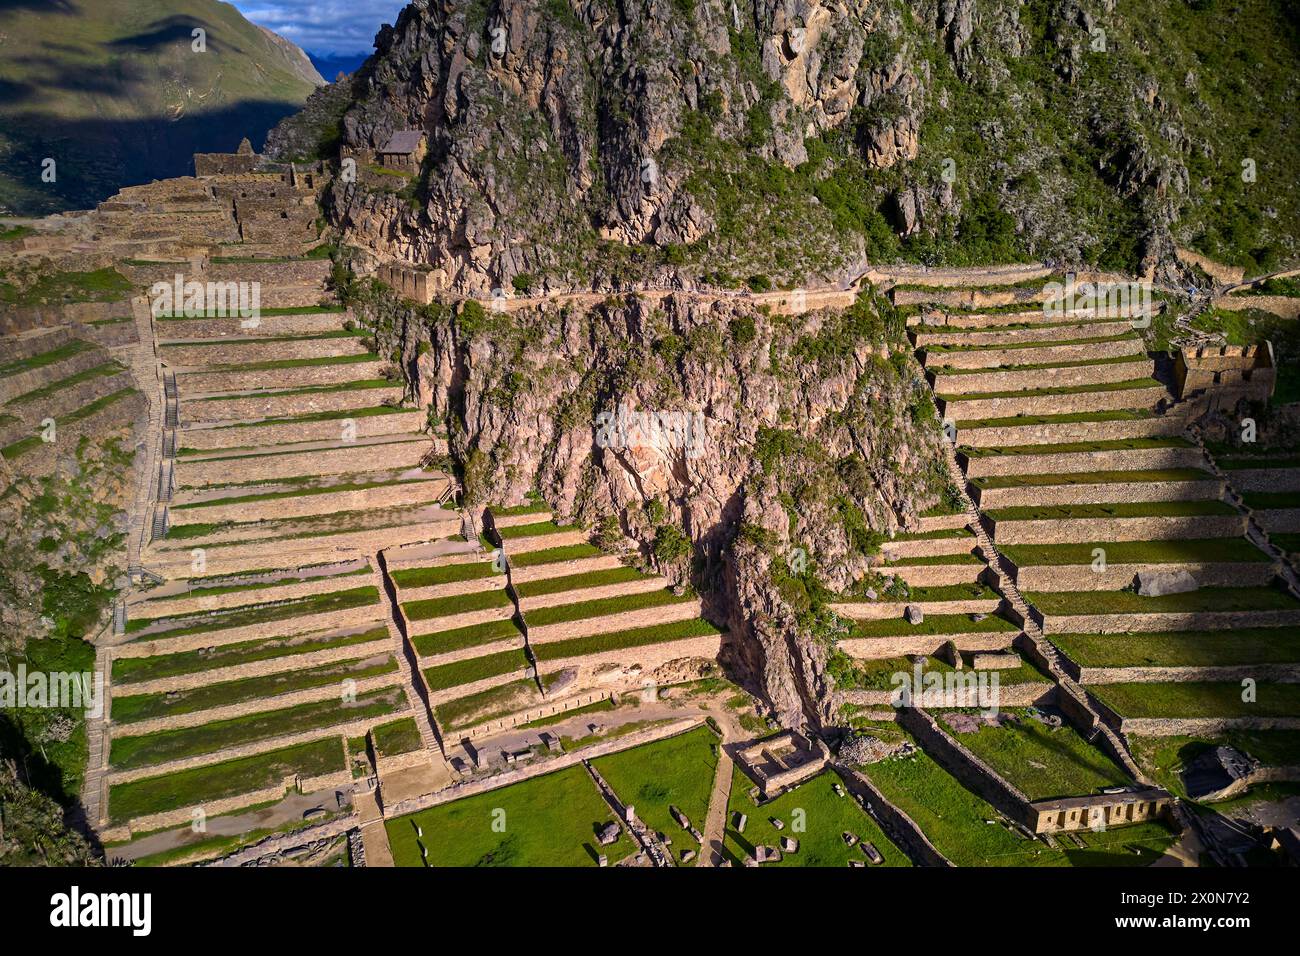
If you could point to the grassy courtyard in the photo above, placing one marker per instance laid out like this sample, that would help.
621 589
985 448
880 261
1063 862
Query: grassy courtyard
965 829
674 772
1043 762
825 817
546 821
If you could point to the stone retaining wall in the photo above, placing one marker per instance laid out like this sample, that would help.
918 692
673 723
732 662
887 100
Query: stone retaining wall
879 610
1265 479
1180 621
125 413
1110 492
273 665
1279 673
368 616
218 352
382 496
646 617
271 405
627 668
1081 577
1280 520
943 522
983 466
354 728
143 606
877 648
20 383
1203 726
303 376
993 357
989 330
450 622
560 569
494 582
1064 432
1072 530
259 705
193 473
1009 695
111 335
543 542
935 575
1059 377
308 323
306 272
1286 307
228 559
211 439
579 595
555 709
926 547
1067 404
67 400
469 653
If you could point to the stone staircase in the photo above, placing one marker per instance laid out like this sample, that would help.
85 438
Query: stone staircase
1043 649
405 656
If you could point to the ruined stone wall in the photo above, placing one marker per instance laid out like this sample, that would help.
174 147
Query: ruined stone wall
973 772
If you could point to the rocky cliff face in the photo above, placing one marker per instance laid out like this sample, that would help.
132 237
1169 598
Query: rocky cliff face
687 143
790 447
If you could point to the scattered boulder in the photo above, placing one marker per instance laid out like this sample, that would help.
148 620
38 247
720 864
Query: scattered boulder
914 615
608 834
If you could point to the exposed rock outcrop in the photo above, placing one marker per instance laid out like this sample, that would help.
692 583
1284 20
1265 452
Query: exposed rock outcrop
788 444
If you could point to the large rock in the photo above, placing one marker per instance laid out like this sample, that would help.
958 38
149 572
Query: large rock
1157 583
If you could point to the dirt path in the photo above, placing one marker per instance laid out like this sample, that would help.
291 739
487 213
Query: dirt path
716 822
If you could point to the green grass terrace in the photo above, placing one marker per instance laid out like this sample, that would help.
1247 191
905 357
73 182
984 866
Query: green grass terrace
1129 602
128 670
149 749
935 624
226 779
1189 551
1134 509
1199 699
1232 646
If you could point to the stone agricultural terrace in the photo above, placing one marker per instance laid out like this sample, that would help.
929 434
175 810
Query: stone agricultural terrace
320 641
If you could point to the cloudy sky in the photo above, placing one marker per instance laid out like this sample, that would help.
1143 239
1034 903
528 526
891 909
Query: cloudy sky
324 26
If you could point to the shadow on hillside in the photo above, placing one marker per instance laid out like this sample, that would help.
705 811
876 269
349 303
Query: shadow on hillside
97 157
47 6
171 30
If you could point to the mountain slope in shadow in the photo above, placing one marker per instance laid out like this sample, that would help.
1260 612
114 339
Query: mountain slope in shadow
119 92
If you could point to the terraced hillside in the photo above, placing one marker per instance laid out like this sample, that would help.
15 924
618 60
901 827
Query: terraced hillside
57 386
531 618
1122 551
264 655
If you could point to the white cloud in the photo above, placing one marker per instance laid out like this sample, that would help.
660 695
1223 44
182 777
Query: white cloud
324 26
